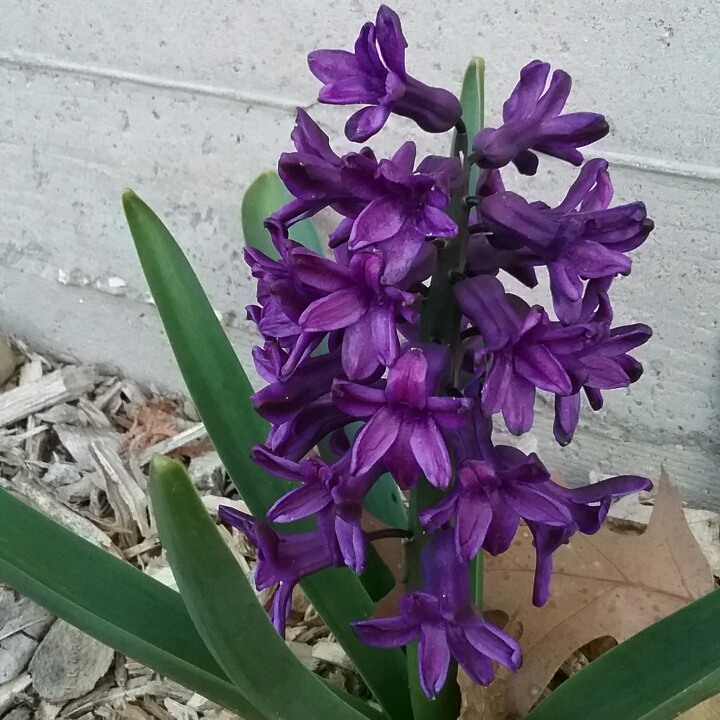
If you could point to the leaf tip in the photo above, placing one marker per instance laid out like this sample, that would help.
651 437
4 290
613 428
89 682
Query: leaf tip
128 196
161 464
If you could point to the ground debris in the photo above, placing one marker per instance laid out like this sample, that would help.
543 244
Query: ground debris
75 444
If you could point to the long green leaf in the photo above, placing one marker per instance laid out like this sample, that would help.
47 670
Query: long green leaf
472 99
266 195
225 610
655 675
220 389
110 600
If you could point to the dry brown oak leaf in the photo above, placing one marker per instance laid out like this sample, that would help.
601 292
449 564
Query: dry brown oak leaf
608 584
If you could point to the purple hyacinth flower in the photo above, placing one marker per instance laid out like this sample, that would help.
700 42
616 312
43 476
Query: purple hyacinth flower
498 486
305 429
283 558
580 239
404 422
588 506
279 401
375 75
357 302
313 174
532 122
514 337
329 491
448 624
601 362
405 209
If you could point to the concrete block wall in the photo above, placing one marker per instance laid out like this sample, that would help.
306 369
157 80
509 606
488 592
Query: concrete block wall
187 103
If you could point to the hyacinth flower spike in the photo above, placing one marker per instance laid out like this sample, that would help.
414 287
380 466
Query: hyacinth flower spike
352 375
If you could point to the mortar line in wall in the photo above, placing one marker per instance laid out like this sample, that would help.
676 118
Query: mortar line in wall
37 63
658 166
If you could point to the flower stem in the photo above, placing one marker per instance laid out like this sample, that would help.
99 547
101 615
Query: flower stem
446 706
388 533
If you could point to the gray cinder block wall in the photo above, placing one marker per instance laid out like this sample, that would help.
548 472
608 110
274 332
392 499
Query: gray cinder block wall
186 102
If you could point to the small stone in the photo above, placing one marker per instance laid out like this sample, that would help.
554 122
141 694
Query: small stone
61 473
207 473
19 713
68 663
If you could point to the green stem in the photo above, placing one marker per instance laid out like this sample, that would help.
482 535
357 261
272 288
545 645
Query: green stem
439 323
446 706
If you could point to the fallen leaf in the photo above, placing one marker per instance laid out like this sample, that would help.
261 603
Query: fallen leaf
480 702
708 710
153 422
604 585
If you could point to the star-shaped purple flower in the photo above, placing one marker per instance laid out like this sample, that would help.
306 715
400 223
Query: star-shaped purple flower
601 363
404 423
516 339
357 302
532 122
405 209
375 75
498 486
284 559
580 239
326 490
448 624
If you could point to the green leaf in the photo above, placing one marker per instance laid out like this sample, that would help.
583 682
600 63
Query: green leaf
385 503
225 610
655 675
212 372
266 195
377 579
472 99
220 390
110 600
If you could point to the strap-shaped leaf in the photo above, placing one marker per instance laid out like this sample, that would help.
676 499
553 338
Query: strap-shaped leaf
225 610
110 600
220 390
655 675
266 195
472 99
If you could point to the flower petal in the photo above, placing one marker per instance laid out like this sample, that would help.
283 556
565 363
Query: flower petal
368 121
387 632
359 355
335 311
374 440
357 400
300 503
518 406
471 525
430 451
433 658
406 380
538 365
